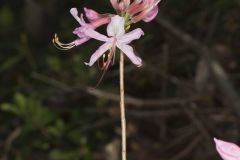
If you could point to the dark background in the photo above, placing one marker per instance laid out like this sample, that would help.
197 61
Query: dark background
186 93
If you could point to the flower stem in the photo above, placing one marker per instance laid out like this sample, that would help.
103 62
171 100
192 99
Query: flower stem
122 106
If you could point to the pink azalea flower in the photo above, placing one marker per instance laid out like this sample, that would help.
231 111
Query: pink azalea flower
227 150
95 19
117 38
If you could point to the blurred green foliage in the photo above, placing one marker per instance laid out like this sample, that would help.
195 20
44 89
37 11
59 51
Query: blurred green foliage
6 17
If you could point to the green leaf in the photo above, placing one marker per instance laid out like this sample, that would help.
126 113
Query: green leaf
10 62
58 129
20 102
10 108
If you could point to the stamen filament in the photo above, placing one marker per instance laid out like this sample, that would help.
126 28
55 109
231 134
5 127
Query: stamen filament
62 46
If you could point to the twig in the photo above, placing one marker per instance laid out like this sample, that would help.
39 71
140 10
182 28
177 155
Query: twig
203 71
165 62
179 140
218 72
10 139
199 125
188 149
115 97
163 113
122 106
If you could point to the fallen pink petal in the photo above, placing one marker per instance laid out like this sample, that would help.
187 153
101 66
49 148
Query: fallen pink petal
227 150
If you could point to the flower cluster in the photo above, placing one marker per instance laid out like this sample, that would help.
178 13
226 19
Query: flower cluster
127 13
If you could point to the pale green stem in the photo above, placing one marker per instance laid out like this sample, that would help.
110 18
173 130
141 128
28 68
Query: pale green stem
122 106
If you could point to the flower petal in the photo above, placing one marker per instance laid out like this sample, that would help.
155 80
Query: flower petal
128 50
74 13
126 3
151 14
79 31
98 53
91 14
115 4
94 34
81 41
130 36
227 150
116 26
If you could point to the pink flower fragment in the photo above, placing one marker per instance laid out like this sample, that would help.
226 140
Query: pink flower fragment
138 10
120 5
227 150
117 38
145 10
151 14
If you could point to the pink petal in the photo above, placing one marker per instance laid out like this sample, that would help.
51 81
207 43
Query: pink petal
116 26
227 150
115 4
81 41
93 34
151 14
137 8
92 15
126 3
121 6
128 50
79 31
98 53
101 21
74 13
130 36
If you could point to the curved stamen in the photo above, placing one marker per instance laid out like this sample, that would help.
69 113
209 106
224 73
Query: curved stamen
113 56
62 46
105 68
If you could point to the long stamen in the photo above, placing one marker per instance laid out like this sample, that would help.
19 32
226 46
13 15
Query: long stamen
112 57
62 46
104 61
101 67
105 67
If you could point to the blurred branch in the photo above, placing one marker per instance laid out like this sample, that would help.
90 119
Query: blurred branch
154 113
202 71
114 97
218 72
197 122
179 140
188 148
10 139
